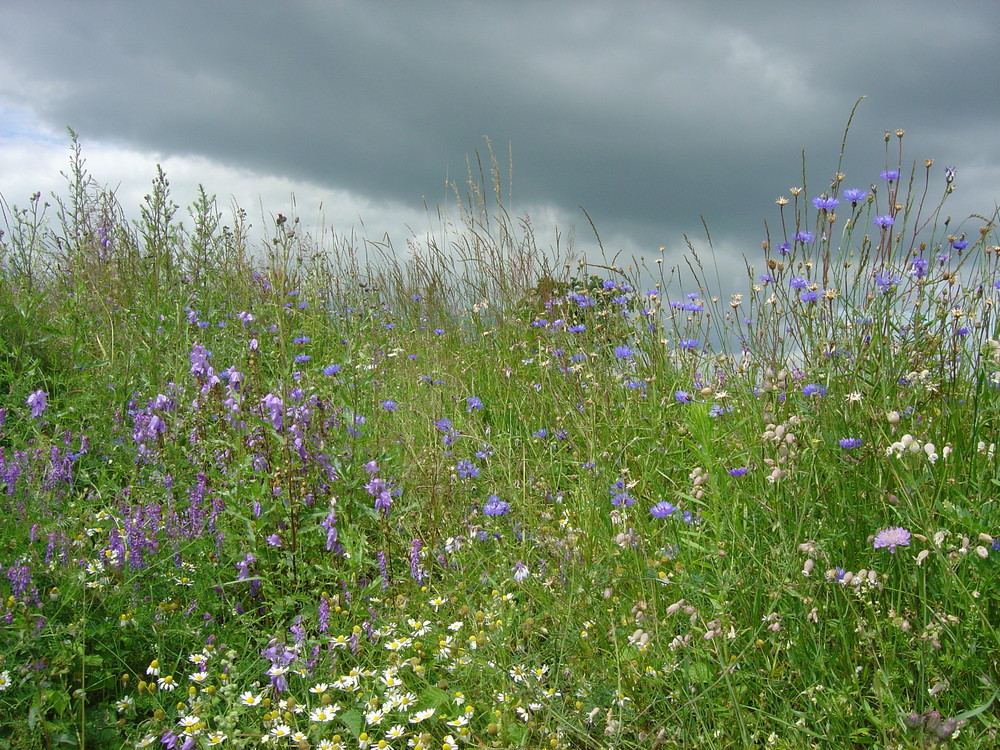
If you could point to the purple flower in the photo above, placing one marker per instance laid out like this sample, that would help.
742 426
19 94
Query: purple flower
331 370
274 540
890 174
960 245
849 444
38 403
825 204
918 267
662 509
814 390
466 469
810 295
884 221
894 536
804 237
885 281
496 507
682 397
473 403
624 352
798 282
688 343
784 248
853 195
738 472
389 405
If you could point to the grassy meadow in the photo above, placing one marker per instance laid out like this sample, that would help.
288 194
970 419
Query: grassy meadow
476 492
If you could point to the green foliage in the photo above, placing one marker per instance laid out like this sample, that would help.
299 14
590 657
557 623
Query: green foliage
482 494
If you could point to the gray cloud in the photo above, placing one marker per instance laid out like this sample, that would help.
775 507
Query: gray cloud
647 114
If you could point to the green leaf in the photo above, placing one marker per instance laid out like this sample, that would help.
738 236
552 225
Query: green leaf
352 720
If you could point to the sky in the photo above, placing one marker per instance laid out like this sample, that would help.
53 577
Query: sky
651 116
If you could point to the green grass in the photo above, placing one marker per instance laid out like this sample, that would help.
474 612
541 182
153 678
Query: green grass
253 508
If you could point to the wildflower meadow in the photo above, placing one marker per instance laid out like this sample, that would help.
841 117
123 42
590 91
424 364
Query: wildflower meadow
480 491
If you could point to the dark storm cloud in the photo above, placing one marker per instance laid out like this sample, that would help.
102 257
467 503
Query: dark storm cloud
647 114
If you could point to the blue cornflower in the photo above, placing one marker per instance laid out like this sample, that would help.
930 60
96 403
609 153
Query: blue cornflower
466 469
849 444
578 328
810 295
784 248
389 405
301 339
885 281
540 433
624 352
825 204
473 403
884 221
853 195
682 397
960 245
798 282
688 343
662 509
302 357
918 267
812 389
890 174
737 472
496 507
804 237
331 370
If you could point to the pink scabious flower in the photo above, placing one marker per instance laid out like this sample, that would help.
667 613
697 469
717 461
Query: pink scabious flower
894 536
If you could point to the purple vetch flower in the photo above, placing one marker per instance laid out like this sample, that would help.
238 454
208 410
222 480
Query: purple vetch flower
243 567
276 407
892 537
416 570
662 509
494 506
383 569
323 614
38 401
849 444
